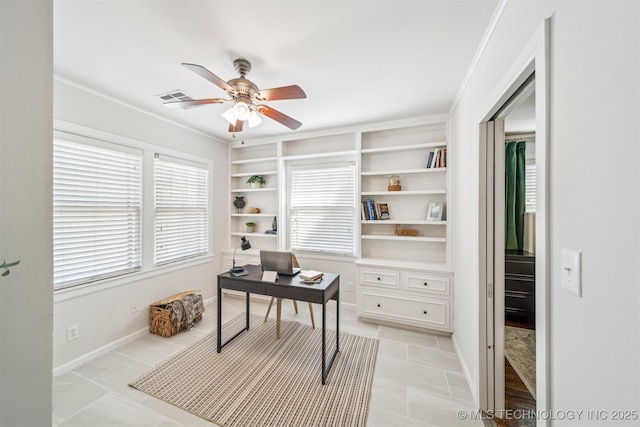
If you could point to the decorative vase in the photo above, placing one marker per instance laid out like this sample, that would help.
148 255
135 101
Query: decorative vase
255 185
274 224
250 228
239 203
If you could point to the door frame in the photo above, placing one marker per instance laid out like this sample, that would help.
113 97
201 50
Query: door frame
535 57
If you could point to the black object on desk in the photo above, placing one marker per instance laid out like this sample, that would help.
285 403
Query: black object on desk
287 288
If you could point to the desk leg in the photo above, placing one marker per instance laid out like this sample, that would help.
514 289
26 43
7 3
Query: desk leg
247 308
219 332
324 342
337 321
278 317
220 344
326 367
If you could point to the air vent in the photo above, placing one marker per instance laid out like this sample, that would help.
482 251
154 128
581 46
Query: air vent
174 95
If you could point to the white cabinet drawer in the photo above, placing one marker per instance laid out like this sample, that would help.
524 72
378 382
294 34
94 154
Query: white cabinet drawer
429 313
424 282
379 277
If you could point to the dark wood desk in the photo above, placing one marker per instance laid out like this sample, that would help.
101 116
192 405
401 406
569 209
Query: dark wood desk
288 288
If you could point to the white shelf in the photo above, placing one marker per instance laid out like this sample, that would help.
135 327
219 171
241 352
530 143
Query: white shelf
319 155
403 222
254 215
257 160
252 235
240 175
404 238
403 171
402 193
403 148
252 190
402 263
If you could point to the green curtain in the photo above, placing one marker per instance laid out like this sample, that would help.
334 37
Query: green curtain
515 195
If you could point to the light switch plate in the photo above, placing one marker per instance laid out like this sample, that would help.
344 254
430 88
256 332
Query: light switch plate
571 264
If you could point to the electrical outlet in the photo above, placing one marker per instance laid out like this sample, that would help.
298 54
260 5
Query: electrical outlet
134 307
349 286
73 332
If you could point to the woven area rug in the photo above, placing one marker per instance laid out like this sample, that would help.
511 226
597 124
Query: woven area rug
259 381
520 351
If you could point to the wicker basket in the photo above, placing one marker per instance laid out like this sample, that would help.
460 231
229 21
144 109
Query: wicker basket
160 316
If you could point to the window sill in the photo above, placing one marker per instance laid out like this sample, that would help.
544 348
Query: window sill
66 294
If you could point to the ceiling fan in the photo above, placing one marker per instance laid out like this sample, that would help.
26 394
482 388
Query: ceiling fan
243 93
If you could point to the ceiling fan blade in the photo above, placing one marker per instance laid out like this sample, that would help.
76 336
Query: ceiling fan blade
203 72
279 117
194 102
285 92
237 127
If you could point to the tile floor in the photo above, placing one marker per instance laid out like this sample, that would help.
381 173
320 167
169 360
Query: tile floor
418 379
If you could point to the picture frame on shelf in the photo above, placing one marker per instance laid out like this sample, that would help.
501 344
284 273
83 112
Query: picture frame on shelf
435 211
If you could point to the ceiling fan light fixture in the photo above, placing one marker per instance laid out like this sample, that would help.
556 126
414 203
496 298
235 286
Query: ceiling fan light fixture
241 110
254 119
230 116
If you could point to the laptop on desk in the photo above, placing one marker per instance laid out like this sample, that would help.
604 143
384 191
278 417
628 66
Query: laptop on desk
278 261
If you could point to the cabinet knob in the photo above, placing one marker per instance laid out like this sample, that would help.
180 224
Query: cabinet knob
378 278
378 305
426 283
425 312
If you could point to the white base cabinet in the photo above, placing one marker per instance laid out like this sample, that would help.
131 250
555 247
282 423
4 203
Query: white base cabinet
419 298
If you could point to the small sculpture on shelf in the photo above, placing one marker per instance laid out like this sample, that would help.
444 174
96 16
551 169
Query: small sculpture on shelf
254 210
405 232
239 203
274 227
394 183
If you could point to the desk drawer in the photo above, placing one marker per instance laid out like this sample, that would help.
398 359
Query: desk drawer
428 313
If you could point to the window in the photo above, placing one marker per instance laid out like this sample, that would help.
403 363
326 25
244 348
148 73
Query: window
322 208
180 201
97 201
530 187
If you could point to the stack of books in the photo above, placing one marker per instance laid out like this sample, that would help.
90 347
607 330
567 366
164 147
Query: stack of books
373 211
311 276
437 158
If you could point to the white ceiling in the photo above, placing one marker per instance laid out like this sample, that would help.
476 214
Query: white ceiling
358 61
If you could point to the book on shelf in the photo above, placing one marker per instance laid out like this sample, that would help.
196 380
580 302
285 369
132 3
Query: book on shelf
372 213
384 211
365 211
429 159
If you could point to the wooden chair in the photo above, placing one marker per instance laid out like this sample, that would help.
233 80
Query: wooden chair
294 263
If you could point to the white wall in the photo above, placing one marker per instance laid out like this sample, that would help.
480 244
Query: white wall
104 317
594 196
26 300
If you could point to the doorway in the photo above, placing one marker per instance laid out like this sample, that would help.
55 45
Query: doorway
492 256
519 199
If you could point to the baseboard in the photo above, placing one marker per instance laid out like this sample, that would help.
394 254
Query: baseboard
71 365
66 367
465 371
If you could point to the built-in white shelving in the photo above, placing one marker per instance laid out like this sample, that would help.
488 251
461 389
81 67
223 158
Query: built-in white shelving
404 278
403 263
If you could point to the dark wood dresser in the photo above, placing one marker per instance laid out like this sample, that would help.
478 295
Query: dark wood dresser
520 289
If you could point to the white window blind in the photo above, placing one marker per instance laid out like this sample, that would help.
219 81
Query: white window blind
322 207
181 214
530 188
97 200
